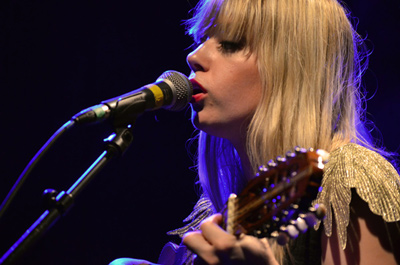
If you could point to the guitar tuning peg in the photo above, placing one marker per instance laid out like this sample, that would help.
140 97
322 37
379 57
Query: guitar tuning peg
310 219
301 225
282 238
324 155
320 211
285 233
271 164
316 214
299 150
292 231
280 160
262 168
290 155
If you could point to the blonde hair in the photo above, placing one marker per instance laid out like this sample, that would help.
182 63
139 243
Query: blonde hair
310 66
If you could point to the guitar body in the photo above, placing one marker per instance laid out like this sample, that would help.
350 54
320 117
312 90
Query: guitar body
172 254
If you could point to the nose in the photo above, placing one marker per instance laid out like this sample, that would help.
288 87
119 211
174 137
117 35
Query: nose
198 59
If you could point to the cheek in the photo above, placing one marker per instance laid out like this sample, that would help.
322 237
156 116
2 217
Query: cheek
243 87
245 107
248 82
248 96
239 96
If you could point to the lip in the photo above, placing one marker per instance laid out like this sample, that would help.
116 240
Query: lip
196 99
199 92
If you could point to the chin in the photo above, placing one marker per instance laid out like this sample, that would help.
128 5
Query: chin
210 129
218 129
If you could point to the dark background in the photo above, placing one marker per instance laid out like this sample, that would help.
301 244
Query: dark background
59 57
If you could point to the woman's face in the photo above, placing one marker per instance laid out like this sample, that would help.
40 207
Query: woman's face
227 88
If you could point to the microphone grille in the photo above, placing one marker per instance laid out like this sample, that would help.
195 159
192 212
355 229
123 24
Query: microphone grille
182 89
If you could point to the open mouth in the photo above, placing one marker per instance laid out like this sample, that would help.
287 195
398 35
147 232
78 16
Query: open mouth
197 88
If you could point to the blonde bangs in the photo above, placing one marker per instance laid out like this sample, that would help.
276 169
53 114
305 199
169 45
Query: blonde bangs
234 20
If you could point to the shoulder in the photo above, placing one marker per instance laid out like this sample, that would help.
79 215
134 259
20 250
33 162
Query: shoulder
370 239
370 175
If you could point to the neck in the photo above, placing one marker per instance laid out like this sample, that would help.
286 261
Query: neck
244 158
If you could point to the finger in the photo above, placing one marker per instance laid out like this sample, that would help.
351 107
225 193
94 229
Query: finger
268 250
197 243
264 253
214 234
215 218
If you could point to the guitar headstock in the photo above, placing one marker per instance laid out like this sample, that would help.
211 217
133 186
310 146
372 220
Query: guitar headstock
277 202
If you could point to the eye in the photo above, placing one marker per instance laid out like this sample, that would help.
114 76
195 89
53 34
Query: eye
230 46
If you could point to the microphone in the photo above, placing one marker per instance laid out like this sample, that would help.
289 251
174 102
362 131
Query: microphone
172 91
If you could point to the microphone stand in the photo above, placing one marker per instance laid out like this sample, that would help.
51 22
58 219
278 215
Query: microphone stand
116 145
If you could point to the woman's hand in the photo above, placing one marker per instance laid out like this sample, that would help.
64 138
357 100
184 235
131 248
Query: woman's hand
215 246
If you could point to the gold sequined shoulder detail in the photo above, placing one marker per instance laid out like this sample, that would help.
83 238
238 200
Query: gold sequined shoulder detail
375 180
